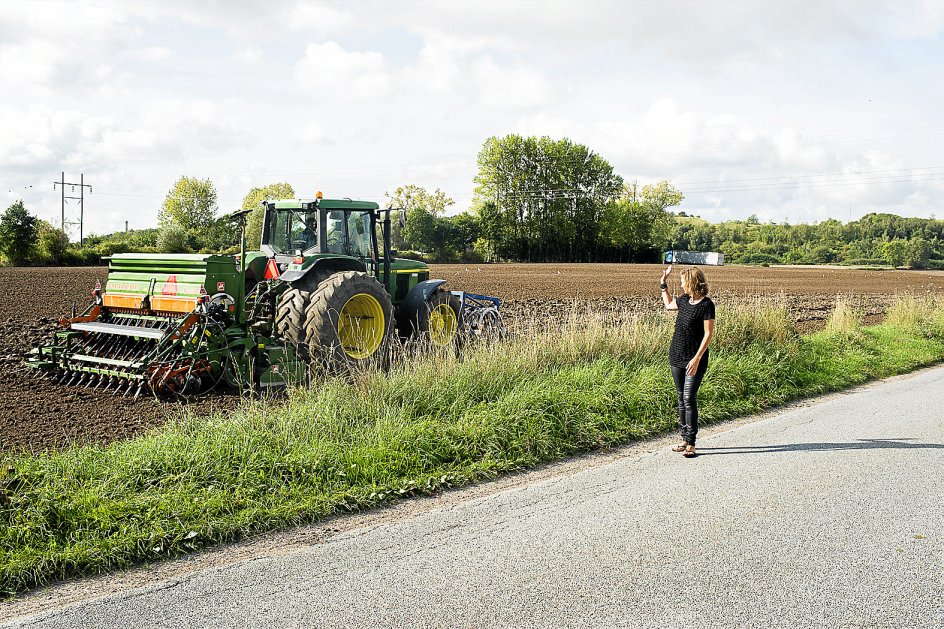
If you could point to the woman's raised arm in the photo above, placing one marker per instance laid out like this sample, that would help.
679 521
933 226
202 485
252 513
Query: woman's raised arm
667 299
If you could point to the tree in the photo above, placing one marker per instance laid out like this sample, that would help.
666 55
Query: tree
18 232
53 243
639 221
190 204
253 200
549 196
917 253
895 251
421 229
413 198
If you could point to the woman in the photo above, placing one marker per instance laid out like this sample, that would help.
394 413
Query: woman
688 353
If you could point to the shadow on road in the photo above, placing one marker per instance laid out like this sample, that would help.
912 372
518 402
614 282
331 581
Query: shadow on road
860 444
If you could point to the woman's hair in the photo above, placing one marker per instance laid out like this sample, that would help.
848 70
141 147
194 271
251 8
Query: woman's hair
694 278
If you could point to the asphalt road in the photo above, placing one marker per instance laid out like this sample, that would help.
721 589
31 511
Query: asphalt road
829 515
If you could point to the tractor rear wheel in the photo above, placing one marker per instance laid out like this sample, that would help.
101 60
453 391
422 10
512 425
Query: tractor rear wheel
290 314
439 322
349 319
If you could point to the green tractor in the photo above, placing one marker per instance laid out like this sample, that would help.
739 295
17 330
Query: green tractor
325 288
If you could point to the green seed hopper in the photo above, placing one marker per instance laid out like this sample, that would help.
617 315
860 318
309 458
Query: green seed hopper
169 323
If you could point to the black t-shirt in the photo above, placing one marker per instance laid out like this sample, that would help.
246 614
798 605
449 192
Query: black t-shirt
690 330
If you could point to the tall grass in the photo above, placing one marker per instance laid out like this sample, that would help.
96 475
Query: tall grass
845 319
354 441
910 311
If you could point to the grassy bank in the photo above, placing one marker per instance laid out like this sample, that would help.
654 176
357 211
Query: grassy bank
344 445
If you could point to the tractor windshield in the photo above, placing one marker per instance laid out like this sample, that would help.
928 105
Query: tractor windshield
291 230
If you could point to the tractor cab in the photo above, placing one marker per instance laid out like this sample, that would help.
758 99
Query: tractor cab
322 235
320 227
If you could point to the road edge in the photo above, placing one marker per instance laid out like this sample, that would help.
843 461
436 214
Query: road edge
64 594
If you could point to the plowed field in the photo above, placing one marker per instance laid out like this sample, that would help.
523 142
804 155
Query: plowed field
38 415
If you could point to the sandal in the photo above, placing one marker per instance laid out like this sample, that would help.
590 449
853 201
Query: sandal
690 453
679 448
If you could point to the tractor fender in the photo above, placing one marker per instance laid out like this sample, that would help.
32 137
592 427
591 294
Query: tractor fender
340 263
415 300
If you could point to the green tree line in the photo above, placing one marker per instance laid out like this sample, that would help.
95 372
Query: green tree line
876 238
536 200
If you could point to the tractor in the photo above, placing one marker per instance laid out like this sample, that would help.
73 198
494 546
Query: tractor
325 288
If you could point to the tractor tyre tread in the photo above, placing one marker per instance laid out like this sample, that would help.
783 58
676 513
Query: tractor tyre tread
325 305
291 313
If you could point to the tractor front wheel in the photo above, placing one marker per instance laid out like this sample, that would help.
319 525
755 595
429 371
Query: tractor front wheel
349 319
439 321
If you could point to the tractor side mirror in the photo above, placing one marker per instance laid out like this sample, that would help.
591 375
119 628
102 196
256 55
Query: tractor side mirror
402 218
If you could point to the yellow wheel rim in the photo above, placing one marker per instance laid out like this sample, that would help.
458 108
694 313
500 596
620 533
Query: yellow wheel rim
361 326
442 325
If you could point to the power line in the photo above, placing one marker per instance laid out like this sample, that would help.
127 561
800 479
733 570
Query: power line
62 183
931 177
852 172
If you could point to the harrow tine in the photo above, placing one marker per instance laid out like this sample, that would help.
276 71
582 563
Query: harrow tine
128 388
75 378
92 380
138 392
102 380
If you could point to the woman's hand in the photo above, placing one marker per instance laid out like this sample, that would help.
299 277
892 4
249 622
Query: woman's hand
692 366
665 273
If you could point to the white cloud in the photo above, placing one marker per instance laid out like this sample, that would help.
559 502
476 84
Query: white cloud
250 55
330 69
46 42
153 53
408 91
318 18
103 70
504 86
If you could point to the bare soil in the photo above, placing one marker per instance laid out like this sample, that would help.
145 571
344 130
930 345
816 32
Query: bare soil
538 293
38 415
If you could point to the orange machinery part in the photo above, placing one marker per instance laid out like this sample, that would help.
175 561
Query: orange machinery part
162 303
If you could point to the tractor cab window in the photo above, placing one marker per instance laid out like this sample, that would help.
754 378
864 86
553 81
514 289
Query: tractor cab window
290 230
358 229
349 233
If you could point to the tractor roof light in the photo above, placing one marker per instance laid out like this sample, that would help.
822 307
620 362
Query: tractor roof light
319 195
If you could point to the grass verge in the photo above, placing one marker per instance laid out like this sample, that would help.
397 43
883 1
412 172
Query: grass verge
343 445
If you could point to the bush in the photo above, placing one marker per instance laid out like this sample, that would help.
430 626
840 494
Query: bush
172 239
821 254
758 258
867 262
53 245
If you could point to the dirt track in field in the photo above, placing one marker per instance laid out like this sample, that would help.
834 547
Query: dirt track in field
37 415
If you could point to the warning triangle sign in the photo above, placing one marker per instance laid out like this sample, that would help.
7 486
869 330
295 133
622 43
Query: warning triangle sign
170 286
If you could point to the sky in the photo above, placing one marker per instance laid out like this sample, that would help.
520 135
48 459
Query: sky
793 111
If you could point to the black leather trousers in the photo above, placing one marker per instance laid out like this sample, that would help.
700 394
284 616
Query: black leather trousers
687 388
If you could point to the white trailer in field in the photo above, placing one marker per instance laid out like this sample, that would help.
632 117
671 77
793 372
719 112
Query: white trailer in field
707 258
